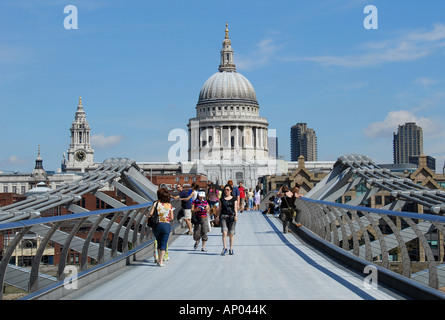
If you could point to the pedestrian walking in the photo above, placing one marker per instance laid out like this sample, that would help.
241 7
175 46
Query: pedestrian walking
163 229
257 198
242 196
200 208
186 206
213 200
228 216
251 199
288 209
296 191
235 193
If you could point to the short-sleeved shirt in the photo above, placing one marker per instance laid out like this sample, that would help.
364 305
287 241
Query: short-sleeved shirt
241 192
164 211
193 197
202 205
235 192
186 204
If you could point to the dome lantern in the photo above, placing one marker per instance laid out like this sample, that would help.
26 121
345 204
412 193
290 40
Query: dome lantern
227 62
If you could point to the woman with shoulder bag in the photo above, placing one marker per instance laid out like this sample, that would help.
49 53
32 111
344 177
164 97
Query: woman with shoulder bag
163 229
228 216
288 209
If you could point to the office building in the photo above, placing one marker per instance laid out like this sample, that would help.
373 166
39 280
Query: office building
303 142
408 142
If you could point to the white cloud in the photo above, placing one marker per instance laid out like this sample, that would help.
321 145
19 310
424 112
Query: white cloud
425 82
413 46
385 128
12 160
100 141
264 52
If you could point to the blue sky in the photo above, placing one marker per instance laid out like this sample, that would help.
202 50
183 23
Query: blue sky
139 67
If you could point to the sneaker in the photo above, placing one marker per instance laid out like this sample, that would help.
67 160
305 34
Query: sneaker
204 249
223 253
196 245
231 252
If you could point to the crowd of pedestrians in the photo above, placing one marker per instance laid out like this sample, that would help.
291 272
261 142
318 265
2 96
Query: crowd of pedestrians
216 206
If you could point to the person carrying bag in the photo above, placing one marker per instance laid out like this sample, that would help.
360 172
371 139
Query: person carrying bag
164 212
288 209
228 216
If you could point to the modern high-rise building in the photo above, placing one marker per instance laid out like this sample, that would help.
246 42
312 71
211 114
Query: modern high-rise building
272 144
303 142
408 141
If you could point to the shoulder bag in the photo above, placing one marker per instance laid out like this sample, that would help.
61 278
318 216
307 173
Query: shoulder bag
292 210
228 209
153 220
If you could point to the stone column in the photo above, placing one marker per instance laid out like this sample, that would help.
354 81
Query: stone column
236 137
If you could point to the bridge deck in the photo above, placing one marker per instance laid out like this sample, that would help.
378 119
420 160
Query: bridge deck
267 265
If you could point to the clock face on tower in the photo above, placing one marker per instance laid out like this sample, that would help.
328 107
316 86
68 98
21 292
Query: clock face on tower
80 156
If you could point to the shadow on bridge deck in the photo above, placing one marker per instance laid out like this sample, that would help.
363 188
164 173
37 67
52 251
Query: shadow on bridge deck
267 265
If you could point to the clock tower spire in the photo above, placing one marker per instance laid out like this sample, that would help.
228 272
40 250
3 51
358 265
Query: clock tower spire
80 153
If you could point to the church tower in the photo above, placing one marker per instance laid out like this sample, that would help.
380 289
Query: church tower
80 153
39 174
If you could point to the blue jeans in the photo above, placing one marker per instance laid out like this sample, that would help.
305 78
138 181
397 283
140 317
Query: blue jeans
251 203
162 232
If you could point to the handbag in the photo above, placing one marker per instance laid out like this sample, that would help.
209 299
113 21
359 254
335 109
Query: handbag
195 219
153 220
292 210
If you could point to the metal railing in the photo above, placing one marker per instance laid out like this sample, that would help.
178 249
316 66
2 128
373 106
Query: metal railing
410 244
40 253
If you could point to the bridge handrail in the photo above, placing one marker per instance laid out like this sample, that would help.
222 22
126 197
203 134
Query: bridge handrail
376 234
413 215
67 217
120 230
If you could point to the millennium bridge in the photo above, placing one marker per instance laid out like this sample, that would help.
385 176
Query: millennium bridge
342 251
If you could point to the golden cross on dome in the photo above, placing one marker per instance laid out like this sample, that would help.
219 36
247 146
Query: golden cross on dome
227 30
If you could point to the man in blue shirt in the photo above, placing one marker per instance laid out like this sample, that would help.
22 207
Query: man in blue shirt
186 206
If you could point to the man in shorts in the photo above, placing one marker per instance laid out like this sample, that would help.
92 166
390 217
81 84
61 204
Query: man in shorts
186 206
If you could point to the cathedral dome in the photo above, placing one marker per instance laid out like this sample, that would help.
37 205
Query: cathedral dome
227 85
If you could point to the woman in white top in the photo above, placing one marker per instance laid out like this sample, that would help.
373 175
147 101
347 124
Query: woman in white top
257 198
